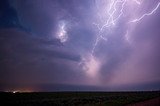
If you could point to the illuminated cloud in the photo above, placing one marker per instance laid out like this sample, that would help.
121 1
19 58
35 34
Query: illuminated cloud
62 32
91 66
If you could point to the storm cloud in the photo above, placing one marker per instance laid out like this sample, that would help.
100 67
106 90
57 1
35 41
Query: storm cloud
70 44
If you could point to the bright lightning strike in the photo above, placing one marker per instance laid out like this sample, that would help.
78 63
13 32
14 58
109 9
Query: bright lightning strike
110 21
113 18
146 14
91 65
108 17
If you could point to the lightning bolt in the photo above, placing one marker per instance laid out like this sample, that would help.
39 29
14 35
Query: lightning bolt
146 14
90 63
113 18
110 21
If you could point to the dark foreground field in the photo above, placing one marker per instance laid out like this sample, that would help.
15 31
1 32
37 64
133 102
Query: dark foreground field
76 98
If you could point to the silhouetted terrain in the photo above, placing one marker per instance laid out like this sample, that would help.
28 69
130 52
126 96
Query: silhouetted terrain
76 98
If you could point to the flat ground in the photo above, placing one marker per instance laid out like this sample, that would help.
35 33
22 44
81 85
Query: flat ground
79 98
151 102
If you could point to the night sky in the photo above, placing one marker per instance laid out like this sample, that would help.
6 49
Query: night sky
68 45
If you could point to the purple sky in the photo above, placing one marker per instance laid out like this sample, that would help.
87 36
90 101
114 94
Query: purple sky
54 45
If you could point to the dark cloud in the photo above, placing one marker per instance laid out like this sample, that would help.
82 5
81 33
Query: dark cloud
8 15
28 57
